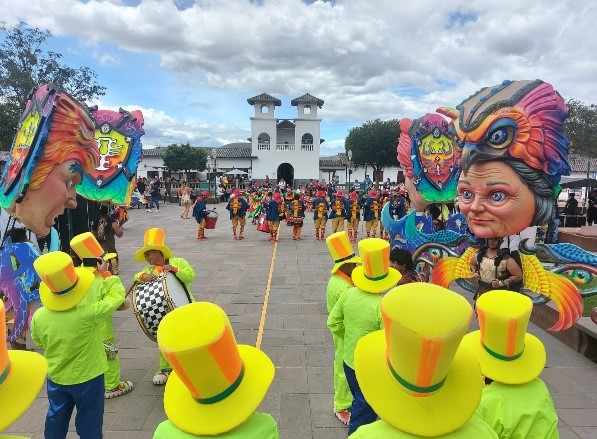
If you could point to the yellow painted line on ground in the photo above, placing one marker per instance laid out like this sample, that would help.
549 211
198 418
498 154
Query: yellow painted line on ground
266 296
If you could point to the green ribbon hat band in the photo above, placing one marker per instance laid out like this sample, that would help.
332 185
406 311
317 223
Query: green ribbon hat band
500 356
226 393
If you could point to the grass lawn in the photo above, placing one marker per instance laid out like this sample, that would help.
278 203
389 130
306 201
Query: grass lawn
590 303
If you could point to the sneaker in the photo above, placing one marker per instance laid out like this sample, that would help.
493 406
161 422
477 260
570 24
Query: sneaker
149 210
121 389
161 377
343 416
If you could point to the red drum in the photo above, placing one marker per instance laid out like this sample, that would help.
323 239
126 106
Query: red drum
211 219
262 224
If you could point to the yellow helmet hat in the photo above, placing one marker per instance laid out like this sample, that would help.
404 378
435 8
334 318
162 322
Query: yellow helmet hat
22 374
85 246
415 373
216 384
506 352
62 285
154 239
341 250
375 275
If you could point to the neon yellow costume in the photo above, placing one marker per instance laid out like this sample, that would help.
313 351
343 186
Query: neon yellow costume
258 426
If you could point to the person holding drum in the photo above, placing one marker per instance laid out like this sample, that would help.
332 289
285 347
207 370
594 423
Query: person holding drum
199 213
160 260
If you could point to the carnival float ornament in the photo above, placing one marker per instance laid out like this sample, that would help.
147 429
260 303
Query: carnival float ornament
118 136
431 168
53 148
513 153
19 284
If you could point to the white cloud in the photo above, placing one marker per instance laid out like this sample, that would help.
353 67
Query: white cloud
367 60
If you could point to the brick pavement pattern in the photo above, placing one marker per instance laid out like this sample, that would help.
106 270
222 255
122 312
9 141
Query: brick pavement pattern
234 274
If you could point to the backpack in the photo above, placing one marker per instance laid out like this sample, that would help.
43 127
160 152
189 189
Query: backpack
102 230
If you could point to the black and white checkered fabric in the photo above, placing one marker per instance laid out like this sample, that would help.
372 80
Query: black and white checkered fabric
151 305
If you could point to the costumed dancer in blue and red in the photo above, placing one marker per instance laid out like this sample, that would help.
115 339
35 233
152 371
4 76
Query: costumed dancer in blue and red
354 216
199 213
275 211
383 199
371 213
238 206
338 212
320 214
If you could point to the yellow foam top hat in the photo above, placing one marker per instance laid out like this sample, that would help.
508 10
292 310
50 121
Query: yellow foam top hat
375 275
506 352
62 285
86 246
154 239
22 374
341 250
215 384
424 382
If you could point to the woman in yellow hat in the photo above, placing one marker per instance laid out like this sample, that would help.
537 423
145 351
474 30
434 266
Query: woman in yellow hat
516 403
357 313
67 328
160 260
345 261
415 373
216 384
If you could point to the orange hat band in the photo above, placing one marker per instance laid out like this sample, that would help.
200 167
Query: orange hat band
412 387
500 356
337 261
383 276
227 392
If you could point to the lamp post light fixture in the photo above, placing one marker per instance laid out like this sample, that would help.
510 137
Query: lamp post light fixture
349 153
215 172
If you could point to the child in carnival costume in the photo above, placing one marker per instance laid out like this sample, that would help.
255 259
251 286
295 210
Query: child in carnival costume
357 313
345 262
416 374
354 216
89 251
288 199
275 211
371 213
199 213
238 206
22 375
338 212
217 384
515 402
320 214
160 260
67 327
255 205
297 216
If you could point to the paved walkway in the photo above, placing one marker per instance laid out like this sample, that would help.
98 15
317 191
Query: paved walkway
234 274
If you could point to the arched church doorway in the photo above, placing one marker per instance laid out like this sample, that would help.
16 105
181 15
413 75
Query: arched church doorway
286 171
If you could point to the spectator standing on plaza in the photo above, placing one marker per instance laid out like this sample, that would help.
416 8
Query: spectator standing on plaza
402 260
168 189
357 313
106 229
515 402
571 204
592 210
185 199
154 192
345 262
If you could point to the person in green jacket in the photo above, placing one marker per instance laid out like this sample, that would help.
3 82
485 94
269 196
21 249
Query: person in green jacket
345 262
357 313
160 260
416 374
216 384
69 330
89 251
515 402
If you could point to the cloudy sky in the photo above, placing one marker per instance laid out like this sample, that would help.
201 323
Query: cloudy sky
191 65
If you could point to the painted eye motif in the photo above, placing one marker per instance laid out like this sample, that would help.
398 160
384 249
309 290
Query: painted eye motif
498 196
435 254
466 195
501 134
581 277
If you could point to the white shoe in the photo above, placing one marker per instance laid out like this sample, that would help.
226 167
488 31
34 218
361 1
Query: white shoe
149 210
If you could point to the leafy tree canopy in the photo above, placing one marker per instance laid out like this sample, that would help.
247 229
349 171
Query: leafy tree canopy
25 65
183 157
581 128
374 143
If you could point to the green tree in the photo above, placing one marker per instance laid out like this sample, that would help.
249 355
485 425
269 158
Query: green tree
581 128
374 144
25 65
183 157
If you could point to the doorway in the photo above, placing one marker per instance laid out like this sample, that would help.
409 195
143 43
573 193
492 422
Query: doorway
286 171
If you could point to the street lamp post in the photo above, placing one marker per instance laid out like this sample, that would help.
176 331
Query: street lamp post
215 172
349 169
